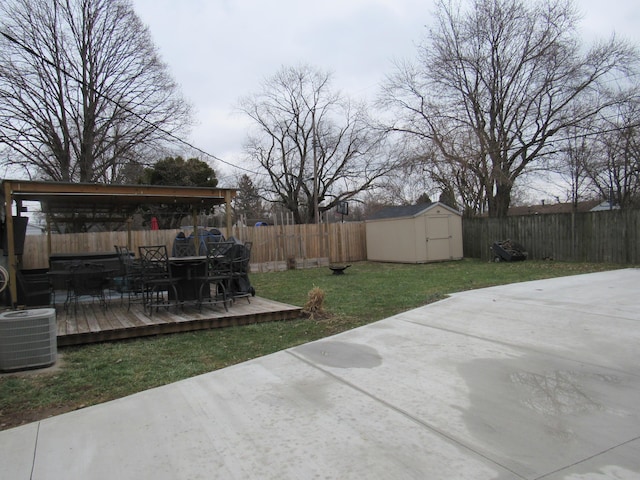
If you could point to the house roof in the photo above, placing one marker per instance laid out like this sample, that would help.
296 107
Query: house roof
403 211
544 209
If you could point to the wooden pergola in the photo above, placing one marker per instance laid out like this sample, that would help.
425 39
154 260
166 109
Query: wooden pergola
106 201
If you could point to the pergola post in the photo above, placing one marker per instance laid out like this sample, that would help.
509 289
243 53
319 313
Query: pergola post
129 241
49 235
227 201
196 238
10 247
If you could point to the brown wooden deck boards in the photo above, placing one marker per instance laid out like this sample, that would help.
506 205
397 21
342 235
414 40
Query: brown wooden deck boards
91 323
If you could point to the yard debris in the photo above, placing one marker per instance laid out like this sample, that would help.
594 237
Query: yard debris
314 308
508 251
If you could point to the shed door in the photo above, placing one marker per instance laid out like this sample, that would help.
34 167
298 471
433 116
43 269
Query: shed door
438 238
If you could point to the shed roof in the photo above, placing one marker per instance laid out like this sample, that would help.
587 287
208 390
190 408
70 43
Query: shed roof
404 211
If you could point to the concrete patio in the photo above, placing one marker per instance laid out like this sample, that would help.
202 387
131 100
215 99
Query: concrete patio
525 381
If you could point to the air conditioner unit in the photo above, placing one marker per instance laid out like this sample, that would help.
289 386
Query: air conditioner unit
28 339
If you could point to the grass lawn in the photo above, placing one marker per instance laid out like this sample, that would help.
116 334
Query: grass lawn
367 292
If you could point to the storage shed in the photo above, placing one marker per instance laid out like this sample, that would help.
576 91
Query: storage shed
415 234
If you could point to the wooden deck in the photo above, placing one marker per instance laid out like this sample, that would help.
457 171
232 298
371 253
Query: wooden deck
92 323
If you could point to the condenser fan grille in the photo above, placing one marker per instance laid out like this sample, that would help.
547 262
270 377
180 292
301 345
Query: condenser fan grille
27 339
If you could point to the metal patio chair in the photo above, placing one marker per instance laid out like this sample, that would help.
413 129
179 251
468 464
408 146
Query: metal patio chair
129 282
156 279
213 286
240 286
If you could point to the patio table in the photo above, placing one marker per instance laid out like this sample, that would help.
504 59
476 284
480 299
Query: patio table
60 262
81 283
189 271
88 281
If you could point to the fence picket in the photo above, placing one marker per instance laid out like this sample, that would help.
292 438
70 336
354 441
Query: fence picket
271 244
607 236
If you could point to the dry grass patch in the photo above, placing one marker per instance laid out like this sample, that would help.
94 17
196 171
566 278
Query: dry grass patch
314 307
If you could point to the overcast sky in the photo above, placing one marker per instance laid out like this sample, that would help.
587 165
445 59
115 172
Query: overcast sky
221 50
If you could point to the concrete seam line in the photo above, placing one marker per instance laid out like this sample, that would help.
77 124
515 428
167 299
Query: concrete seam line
524 348
403 413
35 450
586 459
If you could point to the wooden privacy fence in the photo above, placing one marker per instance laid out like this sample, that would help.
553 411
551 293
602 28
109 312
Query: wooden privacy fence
607 236
307 245
273 247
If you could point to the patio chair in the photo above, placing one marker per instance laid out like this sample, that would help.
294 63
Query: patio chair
156 279
34 288
129 282
215 235
239 285
183 246
213 286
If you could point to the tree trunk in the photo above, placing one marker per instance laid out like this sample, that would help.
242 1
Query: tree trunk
499 203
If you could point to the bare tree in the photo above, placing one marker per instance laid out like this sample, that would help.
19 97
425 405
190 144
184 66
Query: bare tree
575 159
616 170
316 147
459 178
82 91
510 74
440 174
407 185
